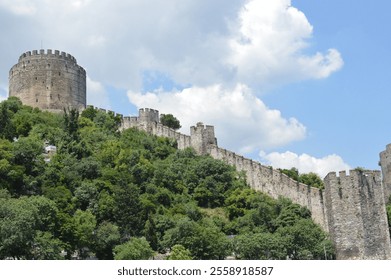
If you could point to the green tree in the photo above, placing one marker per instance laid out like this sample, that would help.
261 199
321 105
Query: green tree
305 240
205 241
170 121
292 173
107 237
151 233
256 246
128 211
311 179
26 226
46 247
178 252
134 249
71 124
84 225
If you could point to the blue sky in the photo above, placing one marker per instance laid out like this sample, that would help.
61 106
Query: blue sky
289 83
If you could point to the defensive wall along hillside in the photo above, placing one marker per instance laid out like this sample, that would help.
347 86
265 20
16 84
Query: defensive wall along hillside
351 207
259 177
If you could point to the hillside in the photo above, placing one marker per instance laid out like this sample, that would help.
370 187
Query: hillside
73 186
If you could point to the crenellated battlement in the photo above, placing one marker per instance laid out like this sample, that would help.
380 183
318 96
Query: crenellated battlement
149 115
39 54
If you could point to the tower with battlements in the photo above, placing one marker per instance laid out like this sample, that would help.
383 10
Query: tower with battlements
356 215
48 80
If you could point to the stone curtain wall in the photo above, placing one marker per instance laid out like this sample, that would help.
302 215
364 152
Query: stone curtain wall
351 208
48 80
275 183
259 177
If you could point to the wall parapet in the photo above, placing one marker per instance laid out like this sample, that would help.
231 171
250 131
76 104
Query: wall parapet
48 53
351 207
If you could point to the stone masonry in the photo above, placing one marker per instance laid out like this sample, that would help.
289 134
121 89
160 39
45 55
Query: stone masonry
351 207
49 81
385 163
357 216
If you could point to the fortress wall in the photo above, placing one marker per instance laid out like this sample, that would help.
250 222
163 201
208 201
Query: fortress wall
128 122
351 208
356 214
275 183
385 163
184 141
318 208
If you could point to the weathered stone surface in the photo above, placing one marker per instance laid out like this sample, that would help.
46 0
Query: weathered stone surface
357 216
49 81
351 208
385 163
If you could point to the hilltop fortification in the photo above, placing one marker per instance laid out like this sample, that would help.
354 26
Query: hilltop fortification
351 207
48 80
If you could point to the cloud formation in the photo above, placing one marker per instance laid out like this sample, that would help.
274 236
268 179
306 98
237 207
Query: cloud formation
305 163
97 94
242 121
220 55
260 43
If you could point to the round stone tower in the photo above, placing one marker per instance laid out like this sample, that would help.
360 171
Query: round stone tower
49 81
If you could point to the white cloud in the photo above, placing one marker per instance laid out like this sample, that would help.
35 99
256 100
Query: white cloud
19 7
223 52
260 43
269 47
242 121
97 94
305 163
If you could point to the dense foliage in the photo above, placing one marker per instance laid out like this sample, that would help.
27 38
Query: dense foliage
128 195
170 121
311 179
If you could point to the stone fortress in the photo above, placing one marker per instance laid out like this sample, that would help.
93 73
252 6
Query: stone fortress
351 208
50 81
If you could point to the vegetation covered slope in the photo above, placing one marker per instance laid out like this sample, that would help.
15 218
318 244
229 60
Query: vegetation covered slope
128 195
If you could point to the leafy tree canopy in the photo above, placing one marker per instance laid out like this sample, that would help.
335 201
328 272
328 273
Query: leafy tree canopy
170 121
104 193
